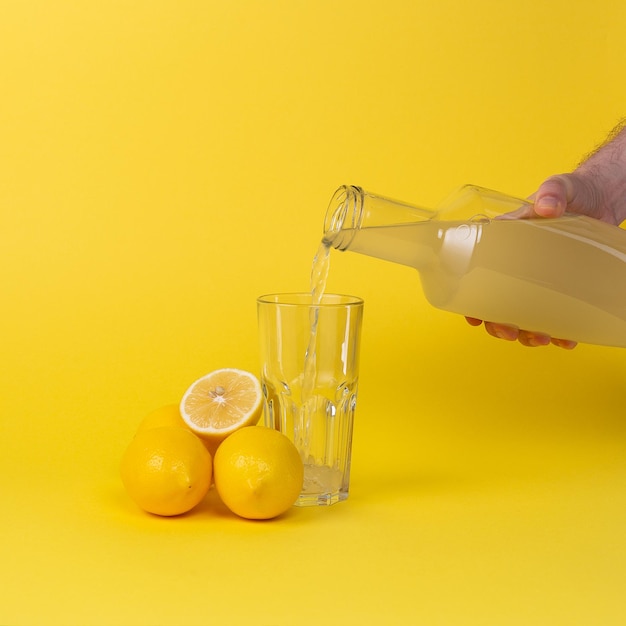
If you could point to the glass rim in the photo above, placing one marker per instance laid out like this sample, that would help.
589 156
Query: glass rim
304 298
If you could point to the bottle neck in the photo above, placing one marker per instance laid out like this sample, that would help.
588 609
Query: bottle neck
352 208
343 216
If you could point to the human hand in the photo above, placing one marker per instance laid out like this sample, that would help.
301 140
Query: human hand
577 192
597 188
525 337
554 197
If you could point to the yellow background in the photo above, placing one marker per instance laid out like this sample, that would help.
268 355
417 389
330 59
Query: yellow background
162 164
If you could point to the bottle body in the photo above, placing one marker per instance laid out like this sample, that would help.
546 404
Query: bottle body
565 277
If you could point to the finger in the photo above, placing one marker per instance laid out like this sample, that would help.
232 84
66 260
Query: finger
524 212
533 340
553 196
566 344
501 331
473 321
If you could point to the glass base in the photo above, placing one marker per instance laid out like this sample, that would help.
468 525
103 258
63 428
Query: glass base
322 486
321 499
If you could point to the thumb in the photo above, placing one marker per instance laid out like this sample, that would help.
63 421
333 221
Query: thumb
565 192
553 196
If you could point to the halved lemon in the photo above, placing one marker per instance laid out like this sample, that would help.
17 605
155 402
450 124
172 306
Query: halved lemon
222 402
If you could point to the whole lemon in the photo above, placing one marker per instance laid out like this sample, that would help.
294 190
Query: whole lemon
168 415
258 472
166 470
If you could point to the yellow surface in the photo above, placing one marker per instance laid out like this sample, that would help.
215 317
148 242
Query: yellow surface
164 163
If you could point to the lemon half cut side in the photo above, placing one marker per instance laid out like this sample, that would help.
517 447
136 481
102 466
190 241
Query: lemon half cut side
222 402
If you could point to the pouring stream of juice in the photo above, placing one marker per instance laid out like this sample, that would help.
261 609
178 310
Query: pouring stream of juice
319 275
317 477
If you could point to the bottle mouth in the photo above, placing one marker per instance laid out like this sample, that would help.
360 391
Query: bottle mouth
343 216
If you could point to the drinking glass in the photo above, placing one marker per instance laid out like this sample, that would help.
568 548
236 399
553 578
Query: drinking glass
309 373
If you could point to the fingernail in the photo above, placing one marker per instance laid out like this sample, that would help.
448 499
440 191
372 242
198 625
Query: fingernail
506 333
566 344
547 203
538 340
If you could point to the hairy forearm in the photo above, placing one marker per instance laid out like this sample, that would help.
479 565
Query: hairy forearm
604 169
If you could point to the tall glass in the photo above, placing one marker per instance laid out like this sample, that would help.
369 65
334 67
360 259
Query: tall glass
309 374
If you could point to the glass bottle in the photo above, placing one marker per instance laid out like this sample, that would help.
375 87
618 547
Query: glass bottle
565 276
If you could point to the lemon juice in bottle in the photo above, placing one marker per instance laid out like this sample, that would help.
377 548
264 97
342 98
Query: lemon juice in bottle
565 277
